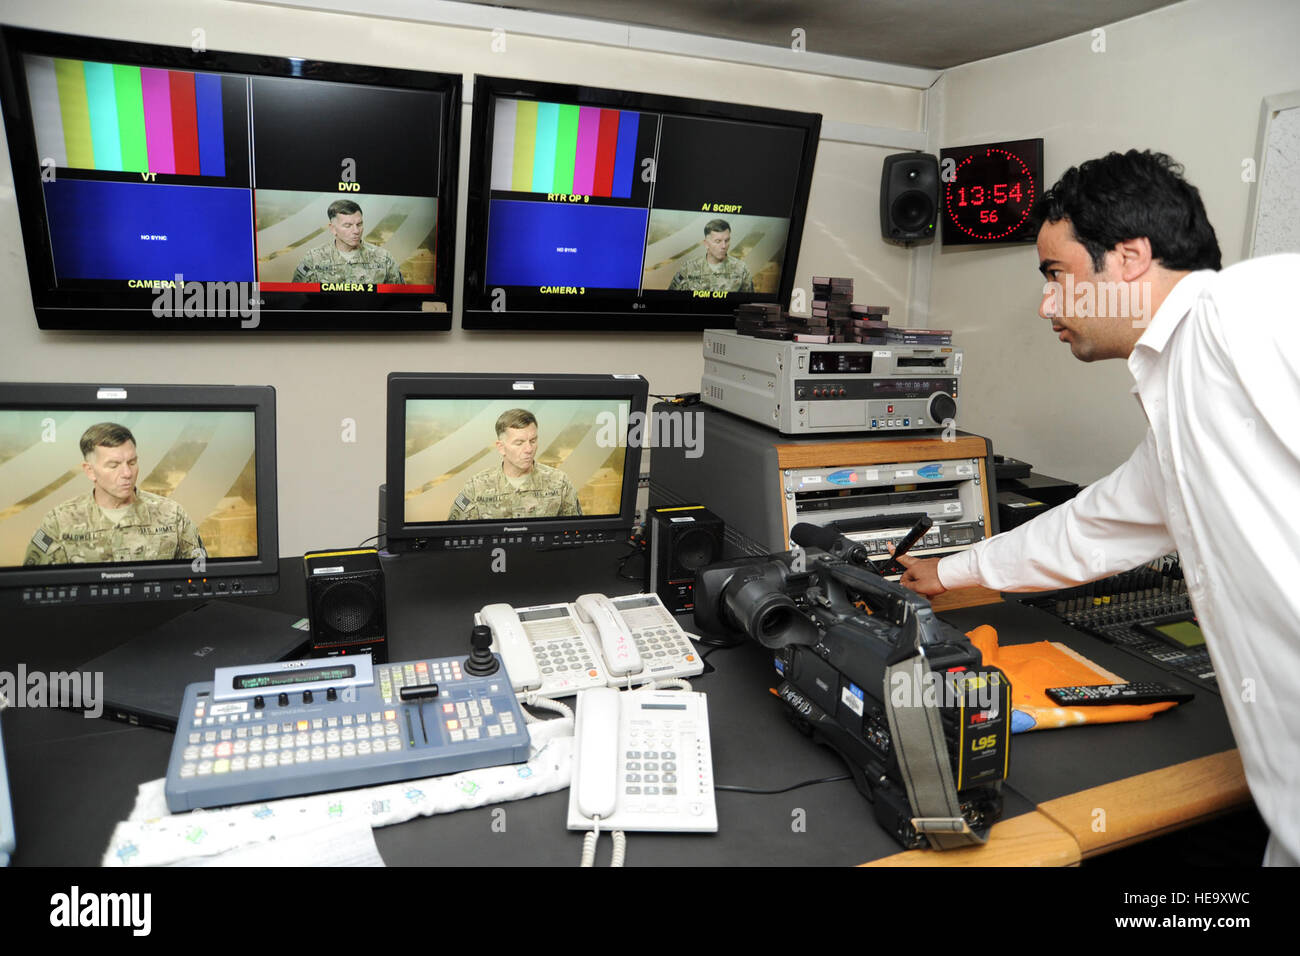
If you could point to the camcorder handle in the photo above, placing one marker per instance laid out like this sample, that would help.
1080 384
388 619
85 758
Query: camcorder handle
828 539
907 610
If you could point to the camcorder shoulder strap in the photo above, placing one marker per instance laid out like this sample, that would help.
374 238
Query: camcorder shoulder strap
922 753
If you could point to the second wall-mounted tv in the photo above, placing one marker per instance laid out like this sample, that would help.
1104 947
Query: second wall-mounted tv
599 209
168 189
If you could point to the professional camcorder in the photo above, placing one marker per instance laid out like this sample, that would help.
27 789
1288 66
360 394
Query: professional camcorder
868 669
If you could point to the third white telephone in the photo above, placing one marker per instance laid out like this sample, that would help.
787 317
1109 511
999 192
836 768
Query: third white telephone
558 649
642 762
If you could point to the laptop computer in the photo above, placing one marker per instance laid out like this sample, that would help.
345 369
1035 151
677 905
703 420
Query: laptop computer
145 678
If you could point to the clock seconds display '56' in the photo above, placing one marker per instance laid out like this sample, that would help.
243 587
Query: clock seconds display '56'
989 190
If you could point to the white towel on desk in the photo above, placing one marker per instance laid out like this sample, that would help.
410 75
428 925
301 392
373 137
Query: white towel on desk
152 836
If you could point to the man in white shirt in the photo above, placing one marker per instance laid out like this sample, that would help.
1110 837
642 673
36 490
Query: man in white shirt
1216 359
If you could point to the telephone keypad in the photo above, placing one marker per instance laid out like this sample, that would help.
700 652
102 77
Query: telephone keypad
562 654
651 748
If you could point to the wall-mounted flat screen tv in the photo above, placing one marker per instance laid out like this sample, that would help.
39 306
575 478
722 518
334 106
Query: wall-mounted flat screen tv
161 188
600 209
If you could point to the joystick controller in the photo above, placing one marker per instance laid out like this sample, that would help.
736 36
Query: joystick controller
481 663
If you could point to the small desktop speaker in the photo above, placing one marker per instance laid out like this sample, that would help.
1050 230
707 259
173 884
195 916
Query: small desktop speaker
345 603
909 196
682 539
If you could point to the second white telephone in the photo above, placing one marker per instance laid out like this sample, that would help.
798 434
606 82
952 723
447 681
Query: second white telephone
559 649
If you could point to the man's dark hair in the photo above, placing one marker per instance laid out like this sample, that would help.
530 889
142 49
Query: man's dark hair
717 225
343 207
107 434
1127 196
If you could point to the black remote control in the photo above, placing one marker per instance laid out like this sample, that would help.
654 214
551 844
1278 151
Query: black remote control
1140 692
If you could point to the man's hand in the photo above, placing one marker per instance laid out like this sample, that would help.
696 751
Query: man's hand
920 574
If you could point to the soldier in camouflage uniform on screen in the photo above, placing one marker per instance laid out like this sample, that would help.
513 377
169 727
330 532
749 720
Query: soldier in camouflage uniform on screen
347 258
115 521
715 271
519 487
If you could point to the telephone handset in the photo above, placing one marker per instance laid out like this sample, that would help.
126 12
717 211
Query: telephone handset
597 749
558 649
616 642
642 761
510 641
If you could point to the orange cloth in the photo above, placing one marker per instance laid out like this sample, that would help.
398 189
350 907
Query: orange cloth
1032 668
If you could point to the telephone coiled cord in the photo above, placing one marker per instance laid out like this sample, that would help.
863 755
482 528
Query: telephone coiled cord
531 699
672 683
589 845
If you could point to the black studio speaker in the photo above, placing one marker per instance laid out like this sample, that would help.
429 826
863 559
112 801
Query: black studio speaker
345 603
909 196
682 539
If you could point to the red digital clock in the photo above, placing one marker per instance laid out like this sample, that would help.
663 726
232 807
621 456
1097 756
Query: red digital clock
988 192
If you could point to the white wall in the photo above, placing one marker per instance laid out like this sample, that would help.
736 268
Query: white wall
327 488
1187 80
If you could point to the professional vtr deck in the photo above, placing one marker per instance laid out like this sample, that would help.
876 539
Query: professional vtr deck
275 730
834 388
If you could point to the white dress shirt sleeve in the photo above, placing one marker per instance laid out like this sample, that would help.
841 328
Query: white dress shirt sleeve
1114 524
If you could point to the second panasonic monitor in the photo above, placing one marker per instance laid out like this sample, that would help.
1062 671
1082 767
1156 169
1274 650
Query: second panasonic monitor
479 460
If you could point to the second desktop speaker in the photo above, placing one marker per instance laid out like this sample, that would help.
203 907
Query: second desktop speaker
682 539
345 603
909 197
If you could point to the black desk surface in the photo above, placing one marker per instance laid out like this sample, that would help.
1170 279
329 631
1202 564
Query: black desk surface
73 779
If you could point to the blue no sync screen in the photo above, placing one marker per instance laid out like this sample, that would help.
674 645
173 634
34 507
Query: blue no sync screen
553 244
150 232
113 230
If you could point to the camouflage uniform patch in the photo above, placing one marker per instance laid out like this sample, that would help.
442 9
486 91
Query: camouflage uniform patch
697 275
546 493
153 528
370 265
42 541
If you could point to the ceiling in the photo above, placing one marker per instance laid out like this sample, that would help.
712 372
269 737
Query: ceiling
936 34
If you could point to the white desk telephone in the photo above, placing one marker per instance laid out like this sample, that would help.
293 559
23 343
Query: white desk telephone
642 762
559 649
